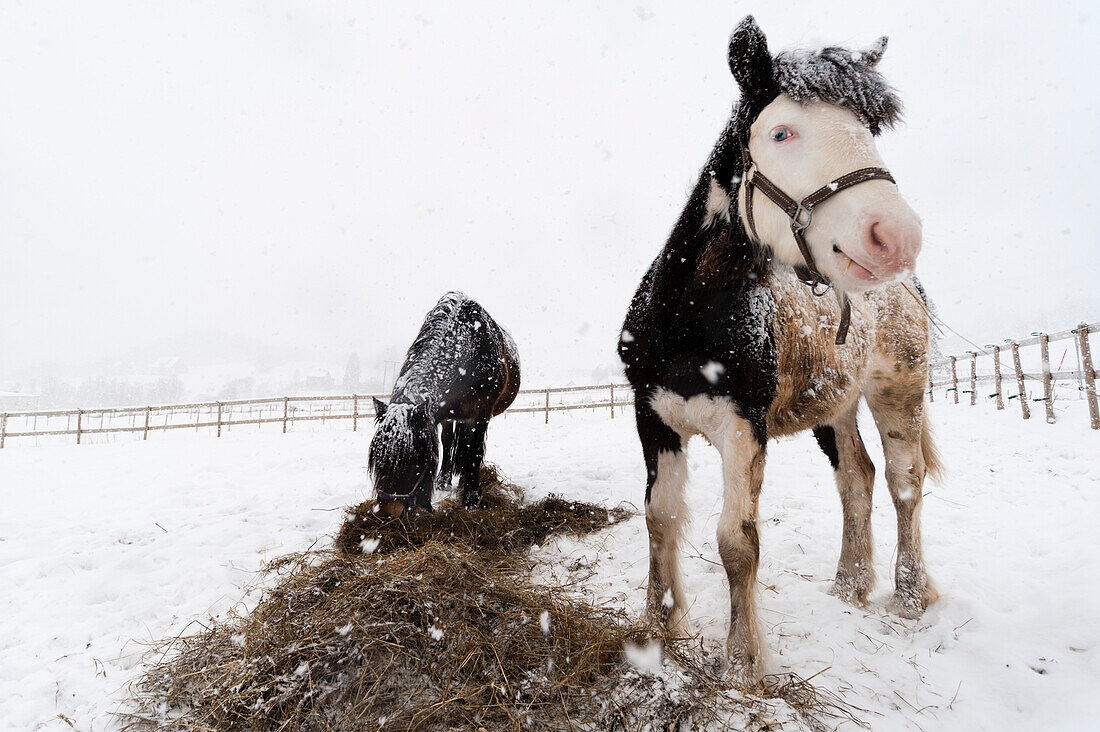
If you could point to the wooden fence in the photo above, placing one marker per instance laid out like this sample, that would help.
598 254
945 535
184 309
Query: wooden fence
1082 381
86 425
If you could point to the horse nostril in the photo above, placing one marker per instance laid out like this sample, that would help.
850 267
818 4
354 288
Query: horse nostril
877 236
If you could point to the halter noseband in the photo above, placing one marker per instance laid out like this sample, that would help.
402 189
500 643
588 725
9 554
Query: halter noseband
403 496
801 214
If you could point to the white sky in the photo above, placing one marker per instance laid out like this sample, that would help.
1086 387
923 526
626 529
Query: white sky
207 179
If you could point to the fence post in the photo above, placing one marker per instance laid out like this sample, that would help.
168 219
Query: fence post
931 387
4 429
547 406
1090 375
612 401
354 412
1048 393
1020 380
954 380
997 375
145 432
973 378
79 419
219 419
286 403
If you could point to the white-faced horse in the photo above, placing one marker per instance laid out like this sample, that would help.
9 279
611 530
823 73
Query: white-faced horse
726 338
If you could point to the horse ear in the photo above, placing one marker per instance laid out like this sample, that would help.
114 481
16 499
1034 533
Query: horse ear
873 54
749 59
379 408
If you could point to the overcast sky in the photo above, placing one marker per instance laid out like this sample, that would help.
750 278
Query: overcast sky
211 179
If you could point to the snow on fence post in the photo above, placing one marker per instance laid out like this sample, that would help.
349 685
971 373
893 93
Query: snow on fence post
612 401
547 406
1090 375
79 419
973 378
219 419
354 412
145 432
1020 380
286 408
4 429
997 376
931 387
954 380
1048 394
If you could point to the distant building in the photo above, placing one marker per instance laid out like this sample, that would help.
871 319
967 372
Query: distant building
13 401
319 380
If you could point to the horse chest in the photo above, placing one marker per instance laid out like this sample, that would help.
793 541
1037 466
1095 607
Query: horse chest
816 379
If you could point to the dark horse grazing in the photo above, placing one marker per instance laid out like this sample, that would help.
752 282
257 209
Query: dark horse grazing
461 371
724 337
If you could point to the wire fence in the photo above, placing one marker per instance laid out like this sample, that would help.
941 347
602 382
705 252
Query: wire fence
1035 366
286 413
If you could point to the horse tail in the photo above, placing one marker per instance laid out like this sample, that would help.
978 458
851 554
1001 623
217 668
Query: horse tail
933 464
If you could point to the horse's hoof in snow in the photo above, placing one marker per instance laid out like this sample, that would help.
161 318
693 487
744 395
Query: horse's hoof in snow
743 672
912 605
852 590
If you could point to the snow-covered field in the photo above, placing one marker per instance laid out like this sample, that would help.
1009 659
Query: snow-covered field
104 548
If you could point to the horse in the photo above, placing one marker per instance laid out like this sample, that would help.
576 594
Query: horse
727 335
461 371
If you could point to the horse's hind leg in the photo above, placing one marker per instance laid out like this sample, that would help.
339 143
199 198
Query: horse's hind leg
855 481
469 452
446 466
899 414
665 514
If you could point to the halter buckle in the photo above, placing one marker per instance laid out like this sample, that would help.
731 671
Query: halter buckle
796 219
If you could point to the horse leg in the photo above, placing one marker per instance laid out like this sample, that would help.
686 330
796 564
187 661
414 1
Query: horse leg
739 542
470 452
665 514
855 481
899 415
446 466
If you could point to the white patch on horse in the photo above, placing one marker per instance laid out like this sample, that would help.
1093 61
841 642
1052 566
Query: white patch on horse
718 203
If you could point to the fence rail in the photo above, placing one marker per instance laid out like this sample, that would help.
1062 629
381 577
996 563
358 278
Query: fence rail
1084 375
287 411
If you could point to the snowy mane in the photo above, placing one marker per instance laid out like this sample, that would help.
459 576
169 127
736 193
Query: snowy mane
842 77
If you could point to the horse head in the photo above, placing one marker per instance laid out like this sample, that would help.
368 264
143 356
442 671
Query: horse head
805 125
403 458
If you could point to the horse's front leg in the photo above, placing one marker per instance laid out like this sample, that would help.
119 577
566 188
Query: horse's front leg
665 514
739 543
446 466
470 448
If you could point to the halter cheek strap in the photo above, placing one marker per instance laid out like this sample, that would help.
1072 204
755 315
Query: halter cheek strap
801 214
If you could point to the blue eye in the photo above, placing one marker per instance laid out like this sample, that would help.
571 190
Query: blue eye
779 134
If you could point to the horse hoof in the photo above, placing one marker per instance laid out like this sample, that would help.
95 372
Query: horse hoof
852 590
912 605
744 672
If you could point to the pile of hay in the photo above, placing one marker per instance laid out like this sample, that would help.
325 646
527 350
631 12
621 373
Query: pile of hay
503 524
434 627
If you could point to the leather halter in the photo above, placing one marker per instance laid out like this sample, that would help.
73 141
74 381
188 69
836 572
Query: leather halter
801 214
404 496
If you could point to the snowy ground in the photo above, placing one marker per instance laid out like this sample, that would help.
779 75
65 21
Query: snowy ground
106 547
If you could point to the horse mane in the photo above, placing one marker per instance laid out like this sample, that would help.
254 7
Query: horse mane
841 77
